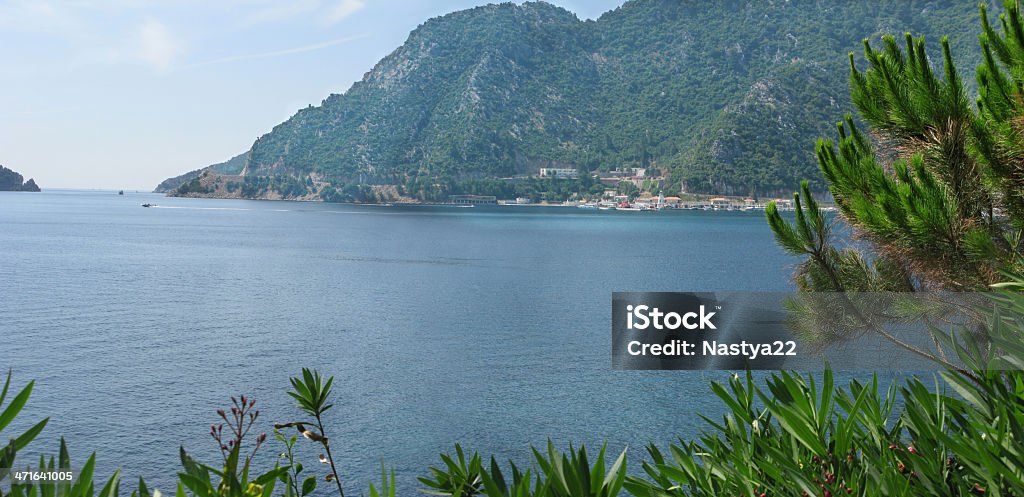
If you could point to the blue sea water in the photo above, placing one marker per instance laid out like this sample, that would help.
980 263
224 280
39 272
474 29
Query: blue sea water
484 326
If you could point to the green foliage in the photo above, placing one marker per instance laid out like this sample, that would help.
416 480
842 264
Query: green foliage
8 414
387 484
460 477
256 186
801 435
348 192
500 90
999 77
232 166
571 475
193 187
15 443
232 480
83 485
628 188
806 435
934 187
938 193
312 392
561 475
291 477
521 484
827 268
939 205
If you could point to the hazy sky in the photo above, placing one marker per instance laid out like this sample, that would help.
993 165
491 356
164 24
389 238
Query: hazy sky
125 93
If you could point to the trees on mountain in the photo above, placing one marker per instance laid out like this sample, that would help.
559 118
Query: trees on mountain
935 185
933 190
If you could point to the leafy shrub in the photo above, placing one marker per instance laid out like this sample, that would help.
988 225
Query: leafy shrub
82 487
561 475
458 478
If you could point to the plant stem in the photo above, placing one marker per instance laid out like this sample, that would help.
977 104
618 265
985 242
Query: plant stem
818 255
291 464
903 345
330 458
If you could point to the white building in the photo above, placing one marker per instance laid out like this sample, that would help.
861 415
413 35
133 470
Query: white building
558 172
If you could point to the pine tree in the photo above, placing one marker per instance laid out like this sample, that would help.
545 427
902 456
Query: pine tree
935 186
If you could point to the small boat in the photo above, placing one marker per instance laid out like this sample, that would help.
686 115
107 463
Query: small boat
147 204
120 192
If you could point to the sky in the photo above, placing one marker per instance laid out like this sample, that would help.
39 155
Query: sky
122 94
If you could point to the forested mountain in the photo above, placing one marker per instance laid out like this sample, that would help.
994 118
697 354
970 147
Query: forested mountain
233 165
724 97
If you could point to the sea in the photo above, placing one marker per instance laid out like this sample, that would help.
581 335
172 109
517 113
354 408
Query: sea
483 326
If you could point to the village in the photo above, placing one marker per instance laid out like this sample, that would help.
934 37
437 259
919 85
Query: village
632 189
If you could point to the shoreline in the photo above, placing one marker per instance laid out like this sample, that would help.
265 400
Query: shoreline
696 205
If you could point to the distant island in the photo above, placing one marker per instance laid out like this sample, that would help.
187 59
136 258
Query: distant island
527 101
11 181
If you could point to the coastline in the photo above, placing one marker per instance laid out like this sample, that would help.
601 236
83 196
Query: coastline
734 205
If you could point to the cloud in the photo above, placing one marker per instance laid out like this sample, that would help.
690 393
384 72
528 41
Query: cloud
277 53
343 10
157 46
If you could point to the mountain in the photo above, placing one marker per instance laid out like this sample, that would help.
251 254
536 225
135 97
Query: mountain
11 181
231 166
724 97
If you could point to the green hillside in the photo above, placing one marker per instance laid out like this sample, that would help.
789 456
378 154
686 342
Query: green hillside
724 97
233 165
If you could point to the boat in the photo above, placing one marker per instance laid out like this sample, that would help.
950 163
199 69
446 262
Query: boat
147 204
587 206
120 192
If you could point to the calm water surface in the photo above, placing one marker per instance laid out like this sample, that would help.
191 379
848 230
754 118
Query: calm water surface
490 327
